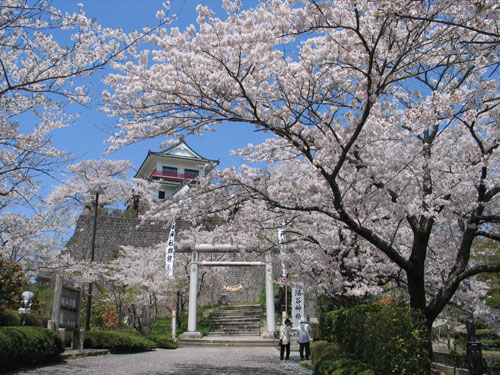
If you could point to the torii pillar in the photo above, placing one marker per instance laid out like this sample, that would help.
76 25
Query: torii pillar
193 298
270 319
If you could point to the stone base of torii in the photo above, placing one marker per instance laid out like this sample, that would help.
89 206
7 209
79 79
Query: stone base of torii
191 332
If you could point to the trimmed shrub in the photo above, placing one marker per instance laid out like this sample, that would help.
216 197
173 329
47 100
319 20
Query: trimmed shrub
117 342
164 342
31 320
396 342
9 318
321 350
388 338
12 282
20 346
342 366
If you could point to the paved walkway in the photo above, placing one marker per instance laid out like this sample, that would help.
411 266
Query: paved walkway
182 361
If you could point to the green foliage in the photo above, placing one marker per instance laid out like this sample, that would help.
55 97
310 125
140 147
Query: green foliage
262 298
204 317
342 366
164 342
161 333
346 326
489 338
31 320
117 342
44 295
493 301
315 330
388 338
20 346
162 328
488 251
9 318
486 334
321 350
105 317
12 283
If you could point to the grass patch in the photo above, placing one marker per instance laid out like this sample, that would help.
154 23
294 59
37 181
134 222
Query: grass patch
117 342
161 333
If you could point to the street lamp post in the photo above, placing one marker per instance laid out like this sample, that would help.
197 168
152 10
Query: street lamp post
97 190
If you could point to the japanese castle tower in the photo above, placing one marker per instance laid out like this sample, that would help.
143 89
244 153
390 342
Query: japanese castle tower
173 169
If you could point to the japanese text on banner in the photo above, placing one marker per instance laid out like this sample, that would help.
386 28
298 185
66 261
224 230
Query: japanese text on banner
169 255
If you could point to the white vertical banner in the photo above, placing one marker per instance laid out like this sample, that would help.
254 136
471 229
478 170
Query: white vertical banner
169 254
298 306
281 241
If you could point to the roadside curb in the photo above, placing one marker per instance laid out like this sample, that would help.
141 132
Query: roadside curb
82 353
295 365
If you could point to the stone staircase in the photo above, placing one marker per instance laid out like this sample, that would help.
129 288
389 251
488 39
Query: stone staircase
237 320
233 326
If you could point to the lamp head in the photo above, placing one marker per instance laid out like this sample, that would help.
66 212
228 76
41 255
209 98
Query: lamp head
97 189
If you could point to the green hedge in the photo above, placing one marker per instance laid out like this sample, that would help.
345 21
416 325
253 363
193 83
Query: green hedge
9 318
387 338
342 366
21 346
321 350
164 342
117 342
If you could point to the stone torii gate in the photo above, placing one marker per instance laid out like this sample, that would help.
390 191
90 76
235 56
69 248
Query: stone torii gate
193 285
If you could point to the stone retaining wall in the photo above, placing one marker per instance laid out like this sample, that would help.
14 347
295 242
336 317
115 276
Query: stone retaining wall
114 232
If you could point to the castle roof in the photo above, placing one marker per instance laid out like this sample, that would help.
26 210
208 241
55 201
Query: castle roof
178 152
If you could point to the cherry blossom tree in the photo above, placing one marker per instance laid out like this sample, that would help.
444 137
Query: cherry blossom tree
80 180
142 271
384 131
39 74
32 241
46 59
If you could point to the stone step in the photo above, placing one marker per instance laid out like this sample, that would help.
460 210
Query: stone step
238 313
235 326
235 330
226 341
235 323
224 319
236 307
237 320
238 332
255 310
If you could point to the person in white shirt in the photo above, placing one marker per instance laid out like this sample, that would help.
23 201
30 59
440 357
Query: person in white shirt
303 336
285 332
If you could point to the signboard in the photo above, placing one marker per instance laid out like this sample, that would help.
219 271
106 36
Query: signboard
298 306
69 312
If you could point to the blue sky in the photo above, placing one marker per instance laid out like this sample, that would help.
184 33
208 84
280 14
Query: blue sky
85 139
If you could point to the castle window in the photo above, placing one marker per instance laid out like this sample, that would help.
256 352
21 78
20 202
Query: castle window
161 194
191 174
169 171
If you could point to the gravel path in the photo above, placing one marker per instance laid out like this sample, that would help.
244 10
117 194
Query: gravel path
182 361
